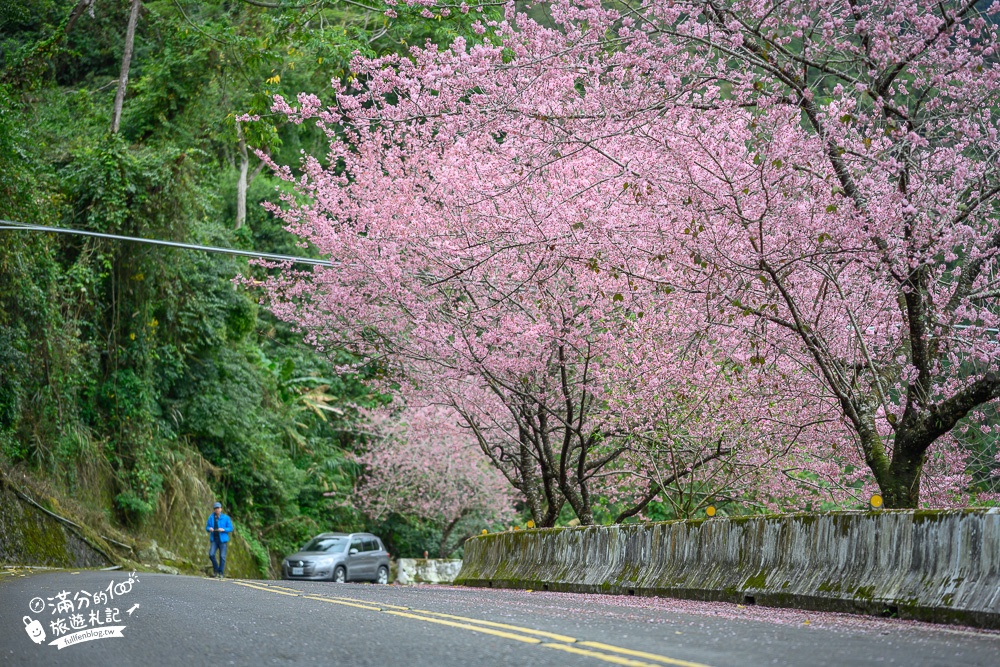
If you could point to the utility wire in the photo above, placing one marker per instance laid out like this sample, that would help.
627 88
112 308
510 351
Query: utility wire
17 226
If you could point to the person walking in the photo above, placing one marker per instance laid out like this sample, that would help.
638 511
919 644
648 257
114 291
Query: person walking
219 527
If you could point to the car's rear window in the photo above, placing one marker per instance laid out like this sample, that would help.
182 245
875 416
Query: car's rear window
371 545
334 545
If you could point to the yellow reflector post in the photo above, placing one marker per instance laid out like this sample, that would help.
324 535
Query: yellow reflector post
876 501
710 510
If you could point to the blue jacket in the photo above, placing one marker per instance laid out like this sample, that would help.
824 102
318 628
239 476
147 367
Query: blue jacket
225 523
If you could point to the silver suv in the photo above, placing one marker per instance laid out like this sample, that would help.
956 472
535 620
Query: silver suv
339 557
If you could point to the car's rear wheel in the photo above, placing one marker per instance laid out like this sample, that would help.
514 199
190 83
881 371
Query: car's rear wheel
340 574
383 575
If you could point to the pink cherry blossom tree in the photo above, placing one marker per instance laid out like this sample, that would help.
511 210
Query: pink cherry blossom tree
424 463
849 221
474 294
550 381
809 188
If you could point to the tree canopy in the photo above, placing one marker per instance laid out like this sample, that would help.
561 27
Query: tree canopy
808 190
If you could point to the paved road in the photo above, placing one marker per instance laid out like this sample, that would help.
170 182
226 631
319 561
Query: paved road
191 621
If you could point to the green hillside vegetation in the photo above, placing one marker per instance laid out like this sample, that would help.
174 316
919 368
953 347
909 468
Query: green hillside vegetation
126 367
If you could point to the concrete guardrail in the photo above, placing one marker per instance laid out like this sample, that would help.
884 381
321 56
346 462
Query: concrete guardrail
941 566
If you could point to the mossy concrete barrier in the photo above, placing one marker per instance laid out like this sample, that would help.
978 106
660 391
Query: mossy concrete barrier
28 536
940 566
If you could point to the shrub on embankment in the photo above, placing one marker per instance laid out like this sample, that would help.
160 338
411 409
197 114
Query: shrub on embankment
934 565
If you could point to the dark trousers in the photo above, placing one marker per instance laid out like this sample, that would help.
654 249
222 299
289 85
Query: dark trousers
220 566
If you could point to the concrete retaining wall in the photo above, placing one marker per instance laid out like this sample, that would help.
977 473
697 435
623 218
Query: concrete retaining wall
28 536
933 565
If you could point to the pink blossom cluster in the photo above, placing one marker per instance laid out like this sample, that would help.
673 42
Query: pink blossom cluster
679 249
422 462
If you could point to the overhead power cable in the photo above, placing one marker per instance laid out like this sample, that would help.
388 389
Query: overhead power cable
17 226
10 225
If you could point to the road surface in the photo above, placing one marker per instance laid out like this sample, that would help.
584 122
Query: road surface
190 621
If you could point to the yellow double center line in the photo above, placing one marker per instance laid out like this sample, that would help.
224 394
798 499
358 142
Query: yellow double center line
596 650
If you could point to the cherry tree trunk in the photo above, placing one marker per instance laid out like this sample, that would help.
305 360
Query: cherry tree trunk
901 485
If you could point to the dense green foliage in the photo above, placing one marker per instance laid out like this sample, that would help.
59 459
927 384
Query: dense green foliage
125 351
